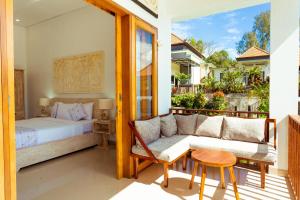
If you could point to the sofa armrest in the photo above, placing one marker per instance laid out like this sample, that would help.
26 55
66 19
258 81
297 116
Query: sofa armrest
144 145
268 122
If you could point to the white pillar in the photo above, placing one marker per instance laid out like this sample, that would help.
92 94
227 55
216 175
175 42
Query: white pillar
164 58
284 69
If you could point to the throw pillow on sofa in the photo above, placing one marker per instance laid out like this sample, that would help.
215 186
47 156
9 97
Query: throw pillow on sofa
209 126
148 129
168 125
186 124
248 130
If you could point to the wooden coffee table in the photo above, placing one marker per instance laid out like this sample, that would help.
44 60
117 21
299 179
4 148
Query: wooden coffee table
214 158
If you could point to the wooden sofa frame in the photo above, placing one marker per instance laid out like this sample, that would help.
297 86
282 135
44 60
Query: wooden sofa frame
242 114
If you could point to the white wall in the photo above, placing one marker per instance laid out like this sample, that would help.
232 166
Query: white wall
284 69
164 58
20 57
81 31
163 24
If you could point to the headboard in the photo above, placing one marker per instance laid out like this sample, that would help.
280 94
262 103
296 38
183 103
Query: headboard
96 111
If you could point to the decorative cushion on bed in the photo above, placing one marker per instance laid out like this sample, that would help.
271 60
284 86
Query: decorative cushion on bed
54 110
186 124
63 111
148 129
168 125
77 112
209 126
249 130
88 109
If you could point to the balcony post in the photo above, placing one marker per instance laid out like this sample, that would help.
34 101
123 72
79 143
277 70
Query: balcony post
284 69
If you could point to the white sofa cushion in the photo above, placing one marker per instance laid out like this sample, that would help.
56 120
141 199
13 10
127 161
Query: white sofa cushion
209 126
148 129
248 150
186 124
166 148
168 125
249 130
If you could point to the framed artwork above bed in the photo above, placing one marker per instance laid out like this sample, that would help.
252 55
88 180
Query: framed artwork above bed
79 74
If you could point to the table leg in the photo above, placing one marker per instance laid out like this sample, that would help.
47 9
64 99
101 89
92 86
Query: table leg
233 181
194 174
222 177
202 182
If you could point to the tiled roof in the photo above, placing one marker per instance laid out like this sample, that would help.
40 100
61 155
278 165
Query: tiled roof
176 40
254 52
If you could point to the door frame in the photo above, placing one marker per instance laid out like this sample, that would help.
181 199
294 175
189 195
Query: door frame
7 125
125 28
141 24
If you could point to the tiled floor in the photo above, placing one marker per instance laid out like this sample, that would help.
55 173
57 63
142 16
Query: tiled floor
89 174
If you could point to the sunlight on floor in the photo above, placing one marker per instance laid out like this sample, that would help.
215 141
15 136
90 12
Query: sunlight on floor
89 174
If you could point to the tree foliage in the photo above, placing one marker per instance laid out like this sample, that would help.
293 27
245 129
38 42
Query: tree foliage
221 59
259 36
207 48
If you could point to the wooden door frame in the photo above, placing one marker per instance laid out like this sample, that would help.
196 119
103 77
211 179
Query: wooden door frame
126 23
139 23
7 125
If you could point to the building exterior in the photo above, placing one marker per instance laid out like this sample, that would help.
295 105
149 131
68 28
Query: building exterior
256 57
188 60
253 57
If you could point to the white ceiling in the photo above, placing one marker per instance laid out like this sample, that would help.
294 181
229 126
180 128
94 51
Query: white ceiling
31 12
189 9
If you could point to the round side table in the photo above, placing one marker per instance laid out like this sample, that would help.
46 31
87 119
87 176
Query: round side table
214 158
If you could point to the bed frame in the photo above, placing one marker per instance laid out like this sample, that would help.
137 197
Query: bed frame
36 154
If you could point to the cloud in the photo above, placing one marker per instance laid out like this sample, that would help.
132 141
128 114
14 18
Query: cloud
181 30
232 52
233 30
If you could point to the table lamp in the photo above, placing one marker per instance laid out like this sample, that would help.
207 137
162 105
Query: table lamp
44 103
105 105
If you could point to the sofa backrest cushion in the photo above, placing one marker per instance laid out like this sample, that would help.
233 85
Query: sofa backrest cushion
249 130
186 124
168 126
148 129
209 126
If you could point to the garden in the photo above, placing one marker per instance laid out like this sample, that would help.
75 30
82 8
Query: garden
211 93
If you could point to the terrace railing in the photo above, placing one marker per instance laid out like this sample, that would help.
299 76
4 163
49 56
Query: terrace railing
294 154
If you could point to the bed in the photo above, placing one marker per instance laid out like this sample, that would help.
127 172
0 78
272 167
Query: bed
41 139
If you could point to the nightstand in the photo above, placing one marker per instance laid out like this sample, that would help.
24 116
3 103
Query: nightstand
103 127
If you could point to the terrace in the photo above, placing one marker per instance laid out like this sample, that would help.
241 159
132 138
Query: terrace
92 173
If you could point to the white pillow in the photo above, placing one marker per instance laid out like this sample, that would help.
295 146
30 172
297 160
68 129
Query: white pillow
249 130
209 126
88 109
63 111
77 112
54 110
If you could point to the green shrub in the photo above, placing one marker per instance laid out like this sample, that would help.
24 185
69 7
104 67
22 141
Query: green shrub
210 84
184 100
182 78
189 100
217 102
200 100
232 82
263 94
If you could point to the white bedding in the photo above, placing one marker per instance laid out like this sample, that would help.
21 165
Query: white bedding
38 131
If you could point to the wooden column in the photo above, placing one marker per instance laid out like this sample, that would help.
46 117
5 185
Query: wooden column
7 126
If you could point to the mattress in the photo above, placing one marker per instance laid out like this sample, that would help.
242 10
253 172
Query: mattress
36 131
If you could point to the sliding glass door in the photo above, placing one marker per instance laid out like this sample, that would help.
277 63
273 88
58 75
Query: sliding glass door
145 70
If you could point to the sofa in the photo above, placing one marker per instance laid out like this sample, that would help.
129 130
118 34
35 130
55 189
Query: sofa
167 138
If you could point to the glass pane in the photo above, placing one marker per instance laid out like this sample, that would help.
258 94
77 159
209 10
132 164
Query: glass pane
143 74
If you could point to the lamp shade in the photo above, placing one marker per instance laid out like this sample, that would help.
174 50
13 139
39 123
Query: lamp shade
44 102
105 104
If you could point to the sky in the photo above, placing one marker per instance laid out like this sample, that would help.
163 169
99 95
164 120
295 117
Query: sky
225 29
